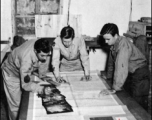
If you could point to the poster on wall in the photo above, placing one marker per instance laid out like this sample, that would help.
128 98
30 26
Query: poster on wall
25 7
26 11
31 7
25 25
51 25
49 6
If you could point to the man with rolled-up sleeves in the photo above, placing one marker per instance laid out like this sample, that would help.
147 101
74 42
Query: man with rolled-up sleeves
17 71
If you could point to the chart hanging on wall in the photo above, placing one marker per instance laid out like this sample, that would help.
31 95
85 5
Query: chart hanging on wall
26 7
51 25
26 11
30 7
25 25
49 6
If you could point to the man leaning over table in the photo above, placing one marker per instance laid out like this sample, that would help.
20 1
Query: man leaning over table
17 71
129 63
74 56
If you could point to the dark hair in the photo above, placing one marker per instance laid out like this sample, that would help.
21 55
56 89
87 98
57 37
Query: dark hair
17 41
43 45
109 28
67 32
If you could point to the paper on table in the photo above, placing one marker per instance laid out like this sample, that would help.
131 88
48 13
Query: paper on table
102 110
121 118
87 86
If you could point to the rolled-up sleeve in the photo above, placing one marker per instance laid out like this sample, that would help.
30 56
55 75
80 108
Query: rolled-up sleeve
56 59
121 66
84 57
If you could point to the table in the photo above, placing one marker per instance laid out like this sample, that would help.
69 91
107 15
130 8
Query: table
84 99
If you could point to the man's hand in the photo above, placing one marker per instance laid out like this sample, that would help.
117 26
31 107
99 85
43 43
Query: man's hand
61 80
39 89
43 76
103 75
86 78
47 90
107 92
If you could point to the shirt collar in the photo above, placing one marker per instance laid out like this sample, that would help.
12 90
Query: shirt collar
33 56
72 45
116 45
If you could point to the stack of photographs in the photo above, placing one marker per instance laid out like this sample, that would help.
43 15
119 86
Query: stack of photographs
53 101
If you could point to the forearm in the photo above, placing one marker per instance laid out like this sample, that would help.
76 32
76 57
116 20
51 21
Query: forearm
29 84
86 64
120 76
56 62
31 87
56 72
87 71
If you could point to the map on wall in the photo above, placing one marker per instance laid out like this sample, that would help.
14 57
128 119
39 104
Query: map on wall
30 7
26 11
25 7
49 6
25 25
51 25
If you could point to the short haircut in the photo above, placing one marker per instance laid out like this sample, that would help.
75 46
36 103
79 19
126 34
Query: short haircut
44 45
17 41
67 32
109 28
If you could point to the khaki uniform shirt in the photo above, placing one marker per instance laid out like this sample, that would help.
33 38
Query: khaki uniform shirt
20 63
77 50
127 58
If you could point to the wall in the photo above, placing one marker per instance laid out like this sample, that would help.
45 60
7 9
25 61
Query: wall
95 13
141 8
6 21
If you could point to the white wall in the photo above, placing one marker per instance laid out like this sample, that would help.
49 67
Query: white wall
95 13
6 21
141 8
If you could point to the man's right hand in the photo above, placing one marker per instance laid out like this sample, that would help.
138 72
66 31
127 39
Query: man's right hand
59 79
106 92
38 88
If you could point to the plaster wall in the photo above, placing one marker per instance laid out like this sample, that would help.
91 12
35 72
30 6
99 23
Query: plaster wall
95 13
6 21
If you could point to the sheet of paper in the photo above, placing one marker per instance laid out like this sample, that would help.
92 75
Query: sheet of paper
83 97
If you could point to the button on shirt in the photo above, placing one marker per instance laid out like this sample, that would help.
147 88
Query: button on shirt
77 50
127 58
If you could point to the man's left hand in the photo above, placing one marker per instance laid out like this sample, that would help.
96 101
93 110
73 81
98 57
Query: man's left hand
86 78
107 92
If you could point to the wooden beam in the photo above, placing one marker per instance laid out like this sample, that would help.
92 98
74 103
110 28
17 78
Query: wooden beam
61 7
37 7
4 42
